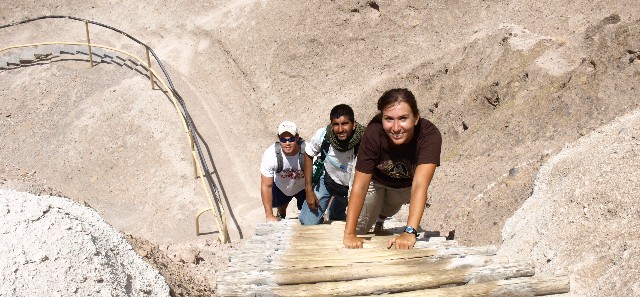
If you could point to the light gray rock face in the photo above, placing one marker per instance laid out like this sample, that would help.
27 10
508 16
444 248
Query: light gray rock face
54 246
582 218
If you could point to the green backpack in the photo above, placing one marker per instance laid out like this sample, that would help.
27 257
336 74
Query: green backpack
318 164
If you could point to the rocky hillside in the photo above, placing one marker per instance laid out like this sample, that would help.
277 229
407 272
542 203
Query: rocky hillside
513 86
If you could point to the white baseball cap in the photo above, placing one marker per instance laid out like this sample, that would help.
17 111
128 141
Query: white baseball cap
288 126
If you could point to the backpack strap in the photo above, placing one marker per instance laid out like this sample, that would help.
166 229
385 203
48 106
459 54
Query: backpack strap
278 150
324 147
301 154
355 149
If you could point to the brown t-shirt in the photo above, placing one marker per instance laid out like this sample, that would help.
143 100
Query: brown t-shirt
394 166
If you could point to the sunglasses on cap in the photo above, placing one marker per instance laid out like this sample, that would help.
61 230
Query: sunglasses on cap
287 139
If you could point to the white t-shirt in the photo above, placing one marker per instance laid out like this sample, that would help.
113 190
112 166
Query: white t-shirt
291 179
338 164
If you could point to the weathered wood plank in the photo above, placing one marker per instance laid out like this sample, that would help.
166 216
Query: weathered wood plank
255 271
372 242
293 276
410 282
527 286
358 256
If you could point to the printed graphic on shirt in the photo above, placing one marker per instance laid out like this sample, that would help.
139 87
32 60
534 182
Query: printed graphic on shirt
292 174
398 169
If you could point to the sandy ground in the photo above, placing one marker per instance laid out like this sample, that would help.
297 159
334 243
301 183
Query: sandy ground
513 86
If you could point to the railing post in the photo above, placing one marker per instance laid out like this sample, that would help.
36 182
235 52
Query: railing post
149 68
224 229
193 156
198 168
86 27
195 167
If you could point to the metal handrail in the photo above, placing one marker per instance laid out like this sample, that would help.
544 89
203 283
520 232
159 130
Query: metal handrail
200 164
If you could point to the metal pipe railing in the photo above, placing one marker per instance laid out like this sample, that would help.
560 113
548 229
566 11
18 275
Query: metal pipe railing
200 164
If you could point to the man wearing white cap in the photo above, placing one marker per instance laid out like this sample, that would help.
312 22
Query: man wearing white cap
282 172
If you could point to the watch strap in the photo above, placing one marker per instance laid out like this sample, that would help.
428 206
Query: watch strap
410 229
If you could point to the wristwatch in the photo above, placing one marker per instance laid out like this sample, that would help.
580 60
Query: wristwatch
411 230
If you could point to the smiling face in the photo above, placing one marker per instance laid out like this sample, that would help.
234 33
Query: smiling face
343 127
399 122
289 148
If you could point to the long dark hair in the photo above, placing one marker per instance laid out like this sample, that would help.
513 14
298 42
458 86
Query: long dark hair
395 96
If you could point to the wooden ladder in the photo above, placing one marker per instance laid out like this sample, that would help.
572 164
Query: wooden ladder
287 259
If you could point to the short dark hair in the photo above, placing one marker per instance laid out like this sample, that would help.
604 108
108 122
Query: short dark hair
341 110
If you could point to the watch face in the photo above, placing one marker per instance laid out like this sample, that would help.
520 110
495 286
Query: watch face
409 229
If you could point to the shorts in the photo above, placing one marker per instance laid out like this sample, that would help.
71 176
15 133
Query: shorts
280 199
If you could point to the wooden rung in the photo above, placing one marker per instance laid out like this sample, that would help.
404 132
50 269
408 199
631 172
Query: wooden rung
370 270
281 250
358 255
283 261
272 265
330 228
284 247
528 286
333 241
347 255
410 282
319 228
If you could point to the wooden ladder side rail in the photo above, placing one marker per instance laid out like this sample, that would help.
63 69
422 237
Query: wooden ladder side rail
220 218
526 286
